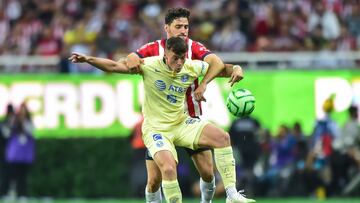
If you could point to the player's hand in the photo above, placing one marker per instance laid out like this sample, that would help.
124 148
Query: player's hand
199 92
134 64
236 75
78 58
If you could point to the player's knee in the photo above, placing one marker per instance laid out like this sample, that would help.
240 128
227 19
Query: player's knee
207 174
168 171
224 140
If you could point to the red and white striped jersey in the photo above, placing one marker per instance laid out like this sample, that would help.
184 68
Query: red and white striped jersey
195 51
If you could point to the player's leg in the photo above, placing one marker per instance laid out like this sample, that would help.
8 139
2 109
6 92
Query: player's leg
203 162
153 189
163 152
212 136
167 164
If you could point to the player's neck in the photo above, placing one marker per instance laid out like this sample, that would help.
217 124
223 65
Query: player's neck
173 71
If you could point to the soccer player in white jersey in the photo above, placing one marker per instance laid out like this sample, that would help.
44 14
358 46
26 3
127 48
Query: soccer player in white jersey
177 24
165 126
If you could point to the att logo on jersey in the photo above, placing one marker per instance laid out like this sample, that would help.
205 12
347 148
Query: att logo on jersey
171 98
176 89
160 85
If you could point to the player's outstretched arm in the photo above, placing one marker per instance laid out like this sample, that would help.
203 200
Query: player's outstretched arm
103 64
235 73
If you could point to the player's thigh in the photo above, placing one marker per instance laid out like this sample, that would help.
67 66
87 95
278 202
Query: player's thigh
187 133
156 141
214 137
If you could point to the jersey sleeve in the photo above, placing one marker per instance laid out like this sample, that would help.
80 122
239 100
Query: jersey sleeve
148 50
199 51
200 67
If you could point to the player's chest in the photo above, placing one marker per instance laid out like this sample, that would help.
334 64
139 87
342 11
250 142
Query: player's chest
167 82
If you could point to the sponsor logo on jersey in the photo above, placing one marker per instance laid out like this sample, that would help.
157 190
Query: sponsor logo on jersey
192 121
157 137
159 143
174 88
184 78
160 85
171 98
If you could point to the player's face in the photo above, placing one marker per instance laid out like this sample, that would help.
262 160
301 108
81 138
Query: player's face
178 28
174 61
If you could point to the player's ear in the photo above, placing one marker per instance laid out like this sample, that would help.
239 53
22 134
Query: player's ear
166 27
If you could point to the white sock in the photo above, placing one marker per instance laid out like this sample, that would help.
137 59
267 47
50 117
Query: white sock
207 190
153 197
231 192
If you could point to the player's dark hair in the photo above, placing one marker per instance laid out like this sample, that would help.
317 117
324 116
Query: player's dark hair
174 13
176 45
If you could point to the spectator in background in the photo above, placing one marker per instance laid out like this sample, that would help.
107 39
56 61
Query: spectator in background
267 143
282 160
296 179
345 43
47 44
346 155
5 128
352 20
325 131
317 163
244 139
326 19
229 38
20 152
4 31
301 143
79 39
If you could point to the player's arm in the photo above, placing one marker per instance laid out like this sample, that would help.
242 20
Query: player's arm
235 73
103 64
215 67
133 61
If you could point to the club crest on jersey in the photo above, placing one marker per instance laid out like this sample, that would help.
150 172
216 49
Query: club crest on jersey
171 98
157 137
184 78
159 143
160 85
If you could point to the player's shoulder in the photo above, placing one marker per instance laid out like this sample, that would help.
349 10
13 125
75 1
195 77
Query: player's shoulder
195 62
150 45
196 44
152 59
195 65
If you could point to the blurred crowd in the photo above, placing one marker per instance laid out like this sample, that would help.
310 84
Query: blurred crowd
113 27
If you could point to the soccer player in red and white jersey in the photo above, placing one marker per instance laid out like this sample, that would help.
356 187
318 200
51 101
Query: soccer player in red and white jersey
177 24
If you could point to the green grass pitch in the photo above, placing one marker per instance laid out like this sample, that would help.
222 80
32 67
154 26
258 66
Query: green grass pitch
353 200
